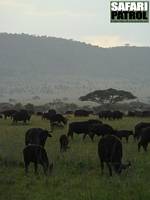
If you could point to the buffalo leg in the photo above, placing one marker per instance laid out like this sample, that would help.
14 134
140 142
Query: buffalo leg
92 137
127 138
52 126
84 136
109 167
26 167
139 146
102 167
35 167
45 168
70 134
145 147
60 147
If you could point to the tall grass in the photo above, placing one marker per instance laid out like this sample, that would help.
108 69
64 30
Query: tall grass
76 174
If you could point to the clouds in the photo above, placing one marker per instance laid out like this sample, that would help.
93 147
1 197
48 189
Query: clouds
14 3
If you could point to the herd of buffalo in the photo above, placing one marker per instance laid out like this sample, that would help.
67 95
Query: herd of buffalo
109 147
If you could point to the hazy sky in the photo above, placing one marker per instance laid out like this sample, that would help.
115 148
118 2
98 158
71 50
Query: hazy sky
84 20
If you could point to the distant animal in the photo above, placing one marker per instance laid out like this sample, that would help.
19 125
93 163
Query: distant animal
144 138
1 117
83 127
138 129
110 152
63 143
49 114
58 120
123 134
69 112
81 113
145 113
102 130
110 115
37 155
131 114
39 113
8 113
36 136
21 115
94 121
117 115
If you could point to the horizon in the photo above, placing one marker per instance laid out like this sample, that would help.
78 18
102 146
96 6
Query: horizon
84 42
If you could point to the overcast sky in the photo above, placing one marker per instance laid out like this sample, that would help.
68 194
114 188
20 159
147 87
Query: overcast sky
84 20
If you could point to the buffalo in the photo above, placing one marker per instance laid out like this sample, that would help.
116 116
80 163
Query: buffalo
49 114
145 113
110 115
39 113
81 113
69 112
144 139
8 113
21 115
63 143
138 129
36 154
83 127
58 120
36 136
102 130
123 134
110 152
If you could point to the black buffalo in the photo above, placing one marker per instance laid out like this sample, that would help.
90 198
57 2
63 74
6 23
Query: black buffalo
145 113
37 155
110 115
58 120
8 113
81 113
102 130
83 127
69 112
110 152
45 116
39 113
49 114
138 129
123 134
21 115
1 117
63 143
105 115
144 139
36 136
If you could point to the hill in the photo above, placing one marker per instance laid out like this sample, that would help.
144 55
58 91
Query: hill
51 68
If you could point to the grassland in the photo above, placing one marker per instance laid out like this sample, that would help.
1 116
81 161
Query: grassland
76 174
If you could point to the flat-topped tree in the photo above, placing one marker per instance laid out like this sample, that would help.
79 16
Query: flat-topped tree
108 97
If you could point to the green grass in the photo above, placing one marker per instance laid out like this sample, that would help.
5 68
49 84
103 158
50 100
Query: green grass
76 174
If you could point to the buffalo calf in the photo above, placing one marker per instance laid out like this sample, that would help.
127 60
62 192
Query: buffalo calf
63 143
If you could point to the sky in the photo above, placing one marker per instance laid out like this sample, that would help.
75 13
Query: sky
83 20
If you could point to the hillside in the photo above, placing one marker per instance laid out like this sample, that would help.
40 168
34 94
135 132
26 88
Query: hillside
51 68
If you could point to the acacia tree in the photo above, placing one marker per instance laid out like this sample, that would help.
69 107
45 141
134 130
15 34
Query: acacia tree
108 97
